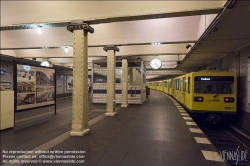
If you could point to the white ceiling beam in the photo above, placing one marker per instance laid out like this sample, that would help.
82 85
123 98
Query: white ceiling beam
98 51
61 11
165 72
144 31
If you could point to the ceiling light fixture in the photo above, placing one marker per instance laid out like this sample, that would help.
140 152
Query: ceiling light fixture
188 46
66 49
156 43
39 29
46 63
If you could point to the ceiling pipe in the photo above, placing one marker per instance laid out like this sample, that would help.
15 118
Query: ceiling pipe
93 46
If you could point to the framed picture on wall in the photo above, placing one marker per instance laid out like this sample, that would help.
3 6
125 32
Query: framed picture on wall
69 83
35 86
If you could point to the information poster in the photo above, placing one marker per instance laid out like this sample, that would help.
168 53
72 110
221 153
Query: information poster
35 86
69 83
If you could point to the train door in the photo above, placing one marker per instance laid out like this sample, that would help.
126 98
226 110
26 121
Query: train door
173 88
183 90
169 87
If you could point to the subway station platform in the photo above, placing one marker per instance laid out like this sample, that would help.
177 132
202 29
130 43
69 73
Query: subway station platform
157 133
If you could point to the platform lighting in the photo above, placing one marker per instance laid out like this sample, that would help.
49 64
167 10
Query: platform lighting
46 63
188 46
155 43
39 29
66 49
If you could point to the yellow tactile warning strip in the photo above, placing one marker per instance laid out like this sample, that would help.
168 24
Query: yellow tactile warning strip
202 140
184 114
187 118
195 130
191 123
182 111
209 155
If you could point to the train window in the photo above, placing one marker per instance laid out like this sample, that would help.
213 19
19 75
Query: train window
184 84
165 84
214 84
180 84
188 84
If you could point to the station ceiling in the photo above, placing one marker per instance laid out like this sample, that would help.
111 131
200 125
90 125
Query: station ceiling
132 26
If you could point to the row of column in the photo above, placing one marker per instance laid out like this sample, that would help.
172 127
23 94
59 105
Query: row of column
80 32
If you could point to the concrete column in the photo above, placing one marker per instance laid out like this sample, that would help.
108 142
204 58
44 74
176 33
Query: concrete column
111 63
124 82
80 78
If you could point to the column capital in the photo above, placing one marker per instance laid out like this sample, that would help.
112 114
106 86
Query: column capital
124 57
76 26
111 47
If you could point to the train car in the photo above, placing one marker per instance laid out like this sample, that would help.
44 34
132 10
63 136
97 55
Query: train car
161 86
166 86
153 85
210 96
157 85
150 84
171 87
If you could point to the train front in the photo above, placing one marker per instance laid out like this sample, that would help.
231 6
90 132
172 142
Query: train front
215 96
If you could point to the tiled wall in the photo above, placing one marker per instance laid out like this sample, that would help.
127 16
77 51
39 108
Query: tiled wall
100 93
143 96
134 94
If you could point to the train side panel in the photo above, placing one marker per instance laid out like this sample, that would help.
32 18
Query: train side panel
171 87
177 89
188 95
162 86
165 86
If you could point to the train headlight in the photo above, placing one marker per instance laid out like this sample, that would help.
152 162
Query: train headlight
198 99
228 99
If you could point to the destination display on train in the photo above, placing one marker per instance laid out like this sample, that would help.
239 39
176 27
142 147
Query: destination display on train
214 78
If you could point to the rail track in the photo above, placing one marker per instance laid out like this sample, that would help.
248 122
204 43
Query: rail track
234 149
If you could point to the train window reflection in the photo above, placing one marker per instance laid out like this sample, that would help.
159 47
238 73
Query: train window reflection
165 84
214 84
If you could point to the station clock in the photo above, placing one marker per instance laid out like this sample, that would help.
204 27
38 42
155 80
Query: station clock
155 63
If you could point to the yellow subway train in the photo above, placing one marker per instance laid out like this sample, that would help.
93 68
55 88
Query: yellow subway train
208 95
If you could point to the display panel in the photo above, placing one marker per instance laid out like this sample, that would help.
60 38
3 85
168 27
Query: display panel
69 85
214 84
35 87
